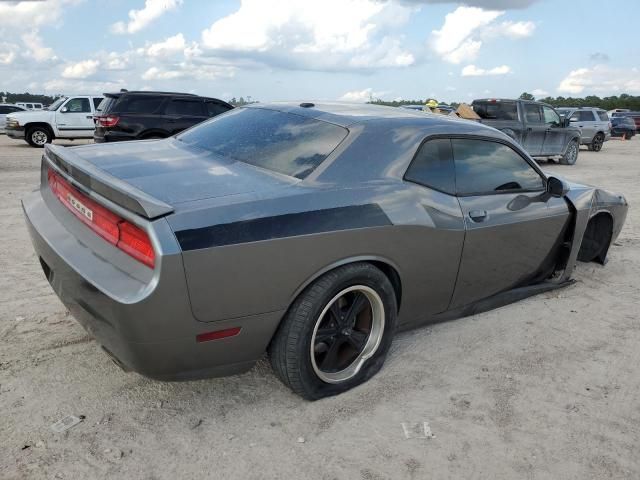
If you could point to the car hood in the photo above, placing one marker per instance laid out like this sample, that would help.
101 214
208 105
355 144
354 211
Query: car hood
174 172
25 116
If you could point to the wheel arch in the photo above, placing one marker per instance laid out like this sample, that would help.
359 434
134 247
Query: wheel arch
599 230
28 126
153 132
389 268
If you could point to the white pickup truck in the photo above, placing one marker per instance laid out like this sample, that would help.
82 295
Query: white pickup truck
67 117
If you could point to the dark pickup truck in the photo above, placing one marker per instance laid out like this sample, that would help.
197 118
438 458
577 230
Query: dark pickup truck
536 126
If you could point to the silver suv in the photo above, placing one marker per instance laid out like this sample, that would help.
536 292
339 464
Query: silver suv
593 122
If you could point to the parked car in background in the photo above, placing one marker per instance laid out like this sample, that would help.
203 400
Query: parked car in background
446 109
191 256
68 117
143 115
30 105
413 107
635 116
593 123
623 126
5 109
536 126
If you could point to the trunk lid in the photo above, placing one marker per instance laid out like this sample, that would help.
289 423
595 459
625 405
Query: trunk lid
152 176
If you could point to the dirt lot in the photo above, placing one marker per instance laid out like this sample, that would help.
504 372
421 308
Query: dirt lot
545 388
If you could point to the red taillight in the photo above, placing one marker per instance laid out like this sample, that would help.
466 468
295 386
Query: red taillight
117 231
108 120
135 242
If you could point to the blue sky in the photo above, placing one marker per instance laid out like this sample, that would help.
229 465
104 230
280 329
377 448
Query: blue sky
322 49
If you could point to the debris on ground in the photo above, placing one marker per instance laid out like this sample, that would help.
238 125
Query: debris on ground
66 423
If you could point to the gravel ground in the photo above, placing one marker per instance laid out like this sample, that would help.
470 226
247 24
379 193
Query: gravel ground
545 388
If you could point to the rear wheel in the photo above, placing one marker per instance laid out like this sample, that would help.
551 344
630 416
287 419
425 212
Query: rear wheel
337 333
596 143
571 155
38 136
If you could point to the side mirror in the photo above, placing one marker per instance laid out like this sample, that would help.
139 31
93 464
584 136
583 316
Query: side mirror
64 109
556 187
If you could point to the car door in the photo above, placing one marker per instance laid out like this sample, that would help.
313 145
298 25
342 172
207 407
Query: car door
584 120
513 229
437 214
555 138
534 128
75 118
182 113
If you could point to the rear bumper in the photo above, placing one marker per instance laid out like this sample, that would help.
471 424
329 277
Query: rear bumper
109 136
153 331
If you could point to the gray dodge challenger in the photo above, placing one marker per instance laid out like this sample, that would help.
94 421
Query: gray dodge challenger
312 232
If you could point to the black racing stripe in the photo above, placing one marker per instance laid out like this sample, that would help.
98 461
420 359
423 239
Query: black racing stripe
281 226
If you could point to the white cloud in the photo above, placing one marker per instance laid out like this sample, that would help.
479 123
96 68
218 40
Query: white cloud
360 96
464 30
309 35
166 48
511 29
83 69
601 79
31 14
454 42
35 47
82 86
473 71
8 53
139 19
538 92
186 70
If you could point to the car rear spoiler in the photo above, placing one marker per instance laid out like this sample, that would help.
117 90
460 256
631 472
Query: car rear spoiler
102 183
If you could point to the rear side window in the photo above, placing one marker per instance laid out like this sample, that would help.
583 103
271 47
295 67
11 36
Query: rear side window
215 108
185 107
433 166
532 113
485 167
96 102
286 143
496 110
139 105
602 115
4 109
582 116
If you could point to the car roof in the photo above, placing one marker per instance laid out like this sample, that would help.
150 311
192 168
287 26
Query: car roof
348 114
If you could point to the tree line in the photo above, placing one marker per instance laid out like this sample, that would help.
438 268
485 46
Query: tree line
607 103
27 97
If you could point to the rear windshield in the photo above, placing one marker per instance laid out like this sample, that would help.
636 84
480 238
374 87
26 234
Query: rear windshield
106 104
496 110
282 142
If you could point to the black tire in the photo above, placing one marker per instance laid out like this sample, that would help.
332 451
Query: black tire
290 350
38 136
571 154
596 143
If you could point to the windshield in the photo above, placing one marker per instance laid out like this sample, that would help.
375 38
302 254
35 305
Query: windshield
285 143
56 104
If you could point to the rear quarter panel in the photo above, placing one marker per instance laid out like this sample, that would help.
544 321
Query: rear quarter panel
264 261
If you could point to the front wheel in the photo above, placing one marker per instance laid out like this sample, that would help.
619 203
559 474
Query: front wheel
596 143
38 136
571 155
337 333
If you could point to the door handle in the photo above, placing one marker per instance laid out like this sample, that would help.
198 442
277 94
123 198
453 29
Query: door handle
478 215
89 116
